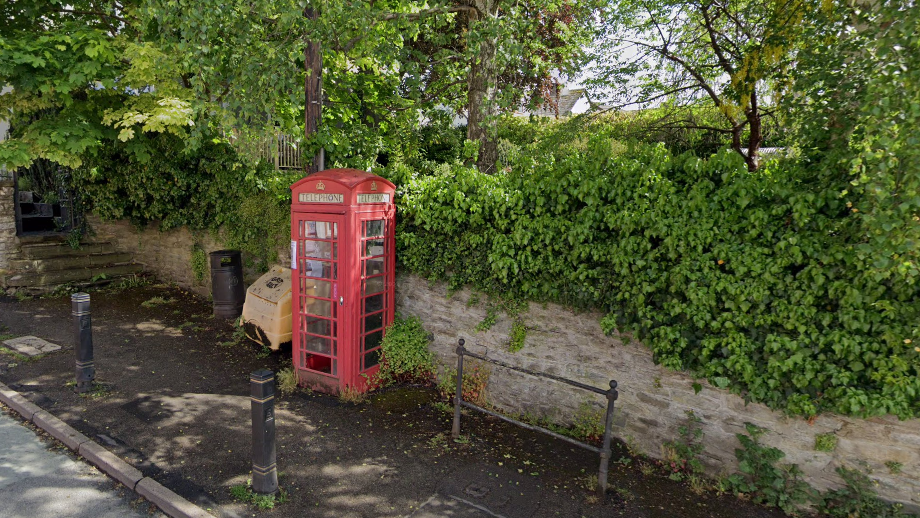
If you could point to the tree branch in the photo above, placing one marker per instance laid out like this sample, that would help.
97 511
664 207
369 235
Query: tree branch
713 41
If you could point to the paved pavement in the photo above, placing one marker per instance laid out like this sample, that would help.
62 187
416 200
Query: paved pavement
38 482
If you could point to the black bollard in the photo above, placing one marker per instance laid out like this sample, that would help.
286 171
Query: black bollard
264 469
85 368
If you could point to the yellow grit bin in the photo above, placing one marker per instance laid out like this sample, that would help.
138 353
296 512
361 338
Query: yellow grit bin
268 306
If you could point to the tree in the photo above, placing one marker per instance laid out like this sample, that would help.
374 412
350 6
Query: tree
372 71
731 54
856 115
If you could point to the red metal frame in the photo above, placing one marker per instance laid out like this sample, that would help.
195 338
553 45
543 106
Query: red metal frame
343 234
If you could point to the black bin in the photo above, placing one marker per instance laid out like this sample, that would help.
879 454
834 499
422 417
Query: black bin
227 288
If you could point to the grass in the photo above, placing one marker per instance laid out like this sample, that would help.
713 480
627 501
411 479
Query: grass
244 493
157 301
14 354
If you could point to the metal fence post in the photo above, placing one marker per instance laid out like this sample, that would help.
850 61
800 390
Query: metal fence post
458 397
264 468
612 395
85 369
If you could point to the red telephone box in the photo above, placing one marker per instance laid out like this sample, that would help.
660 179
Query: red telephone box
343 267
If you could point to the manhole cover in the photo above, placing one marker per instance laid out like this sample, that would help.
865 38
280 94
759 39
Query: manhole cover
30 345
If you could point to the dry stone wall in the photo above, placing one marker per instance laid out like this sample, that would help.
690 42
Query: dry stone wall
9 243
653 400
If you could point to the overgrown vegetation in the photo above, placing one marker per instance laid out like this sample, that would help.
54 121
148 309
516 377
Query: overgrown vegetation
747 279
405 357
857 498
199 263
761 478
208 188
681 457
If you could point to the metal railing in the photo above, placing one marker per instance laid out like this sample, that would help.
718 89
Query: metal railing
611 395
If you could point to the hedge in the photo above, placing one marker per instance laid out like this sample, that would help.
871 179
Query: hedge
747 279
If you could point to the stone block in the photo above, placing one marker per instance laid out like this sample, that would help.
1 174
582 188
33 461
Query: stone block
169 502
59 430
110 464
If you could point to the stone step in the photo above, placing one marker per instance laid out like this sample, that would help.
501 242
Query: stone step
73 276
50 250
33 239
68 262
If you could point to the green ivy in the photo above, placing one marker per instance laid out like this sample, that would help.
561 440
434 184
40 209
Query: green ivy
205 189
750 280
199 263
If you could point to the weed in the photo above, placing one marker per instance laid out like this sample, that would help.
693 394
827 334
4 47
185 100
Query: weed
825 442
441 406
894 467
698 484
287 381
489 320
135 281
857 498
646 469
475 380
22 296
351 395
632 446
588 423
199 263
518 335
681 456
657 383
406 357
588 482
73 238
244 493
99 391
462 439
473 300
438 441
98 277
264 352
156 301
21 357
625 494
761 478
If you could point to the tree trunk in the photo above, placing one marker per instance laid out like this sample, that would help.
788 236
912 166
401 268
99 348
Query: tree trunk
755 137
313 93
482 93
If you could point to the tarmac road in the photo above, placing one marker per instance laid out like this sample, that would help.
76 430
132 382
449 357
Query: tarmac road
38 482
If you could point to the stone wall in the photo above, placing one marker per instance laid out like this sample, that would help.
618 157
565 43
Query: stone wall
9 243
653 400
169 254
